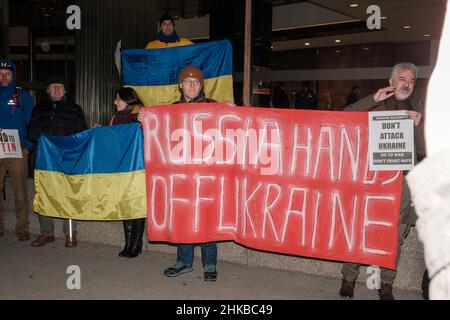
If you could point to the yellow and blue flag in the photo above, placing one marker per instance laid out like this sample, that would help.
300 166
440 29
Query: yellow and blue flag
97 174
154 73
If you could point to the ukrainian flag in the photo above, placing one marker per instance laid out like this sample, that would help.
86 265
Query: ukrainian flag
97 174
153 73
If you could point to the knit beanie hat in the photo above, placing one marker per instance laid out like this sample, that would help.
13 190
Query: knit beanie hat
55 78
191 72
165 17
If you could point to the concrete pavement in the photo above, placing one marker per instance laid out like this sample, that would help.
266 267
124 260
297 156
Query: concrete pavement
110 233
41 273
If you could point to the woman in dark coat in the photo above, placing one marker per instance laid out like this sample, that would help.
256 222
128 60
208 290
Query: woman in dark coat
127 109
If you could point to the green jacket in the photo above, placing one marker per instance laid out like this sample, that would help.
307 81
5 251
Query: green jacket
369 104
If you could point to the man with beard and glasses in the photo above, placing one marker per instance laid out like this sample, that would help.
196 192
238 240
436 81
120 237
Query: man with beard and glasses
395 97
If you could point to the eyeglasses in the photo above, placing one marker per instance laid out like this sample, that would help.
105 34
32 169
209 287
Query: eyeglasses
194 83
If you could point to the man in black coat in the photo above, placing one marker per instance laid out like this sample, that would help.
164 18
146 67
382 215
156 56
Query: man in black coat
57 117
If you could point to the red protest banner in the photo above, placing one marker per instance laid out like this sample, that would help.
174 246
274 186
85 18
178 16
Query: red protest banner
287 181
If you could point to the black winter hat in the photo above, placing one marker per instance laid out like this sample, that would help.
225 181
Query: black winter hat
165 17
55 78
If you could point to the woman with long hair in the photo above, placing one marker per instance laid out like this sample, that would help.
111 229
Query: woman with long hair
127 109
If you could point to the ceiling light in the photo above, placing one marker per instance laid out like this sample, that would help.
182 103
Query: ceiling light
366 48
45 46
406 27
427 35
307 43
338 51
354 5
337 41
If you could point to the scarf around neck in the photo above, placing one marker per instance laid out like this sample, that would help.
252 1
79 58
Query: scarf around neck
172 38
124 112
200 98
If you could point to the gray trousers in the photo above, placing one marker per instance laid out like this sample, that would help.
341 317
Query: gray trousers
48 226
350 271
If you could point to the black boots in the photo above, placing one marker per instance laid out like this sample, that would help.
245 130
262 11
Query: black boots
127 231
133 230
385 292
347 289
136 238
425 286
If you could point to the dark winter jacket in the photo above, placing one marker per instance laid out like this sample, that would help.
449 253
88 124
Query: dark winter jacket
59 118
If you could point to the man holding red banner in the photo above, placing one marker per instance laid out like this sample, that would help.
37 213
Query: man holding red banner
395 97
191 83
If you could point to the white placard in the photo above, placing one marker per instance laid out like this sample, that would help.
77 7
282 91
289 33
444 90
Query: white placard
391 141
10 144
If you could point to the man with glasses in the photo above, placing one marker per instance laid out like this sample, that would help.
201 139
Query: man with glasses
191 84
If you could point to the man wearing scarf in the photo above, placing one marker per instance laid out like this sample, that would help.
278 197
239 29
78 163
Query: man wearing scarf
167 36
191 82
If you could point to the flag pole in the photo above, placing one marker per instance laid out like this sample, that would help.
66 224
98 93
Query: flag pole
247 89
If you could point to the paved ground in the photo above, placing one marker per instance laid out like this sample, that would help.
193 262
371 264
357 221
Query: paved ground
41 273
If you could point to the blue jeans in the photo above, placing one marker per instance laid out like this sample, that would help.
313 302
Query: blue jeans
185 254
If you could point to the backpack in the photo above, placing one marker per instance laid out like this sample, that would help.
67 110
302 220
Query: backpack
17 98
